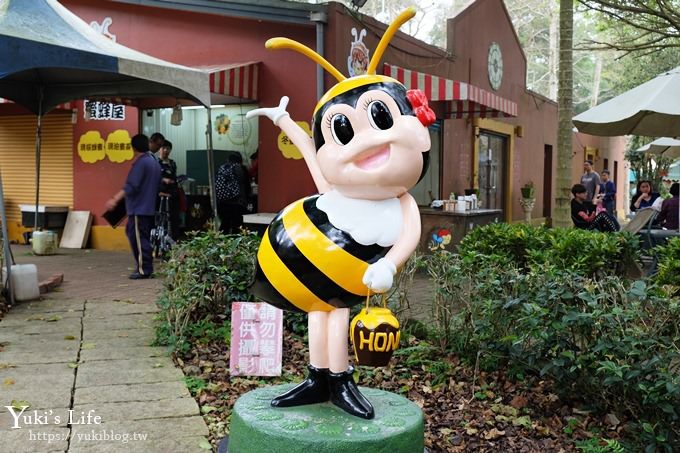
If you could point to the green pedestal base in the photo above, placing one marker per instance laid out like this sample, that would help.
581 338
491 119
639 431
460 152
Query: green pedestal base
320 428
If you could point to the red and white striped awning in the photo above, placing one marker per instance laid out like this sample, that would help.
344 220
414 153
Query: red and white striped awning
233 81
462 99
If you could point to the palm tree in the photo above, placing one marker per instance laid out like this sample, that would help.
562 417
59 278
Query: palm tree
562 212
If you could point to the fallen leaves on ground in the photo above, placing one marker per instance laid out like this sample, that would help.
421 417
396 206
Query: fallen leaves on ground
464 412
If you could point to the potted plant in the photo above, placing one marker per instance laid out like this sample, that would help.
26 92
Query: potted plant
528 190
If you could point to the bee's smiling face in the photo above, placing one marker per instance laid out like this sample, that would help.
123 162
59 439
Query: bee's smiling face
372 151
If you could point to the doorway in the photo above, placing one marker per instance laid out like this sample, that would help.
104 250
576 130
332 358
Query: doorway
547 180
428 189
492 170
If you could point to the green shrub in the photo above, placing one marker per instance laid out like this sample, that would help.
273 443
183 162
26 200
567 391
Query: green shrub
202 277
503 242
669 263
528 247
612 342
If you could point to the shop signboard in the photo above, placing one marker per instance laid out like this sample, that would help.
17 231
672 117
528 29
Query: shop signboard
96 110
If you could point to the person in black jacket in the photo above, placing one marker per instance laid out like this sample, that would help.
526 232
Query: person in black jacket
584 213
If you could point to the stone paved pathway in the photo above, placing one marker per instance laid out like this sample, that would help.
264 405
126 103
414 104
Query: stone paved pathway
84 350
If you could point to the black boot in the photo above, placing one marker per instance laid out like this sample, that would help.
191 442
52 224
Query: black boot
346 395
312 390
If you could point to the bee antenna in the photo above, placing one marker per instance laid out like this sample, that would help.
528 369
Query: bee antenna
285 43
401 19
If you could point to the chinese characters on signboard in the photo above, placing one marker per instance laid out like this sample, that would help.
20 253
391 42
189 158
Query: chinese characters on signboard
256 339
92 147
95 110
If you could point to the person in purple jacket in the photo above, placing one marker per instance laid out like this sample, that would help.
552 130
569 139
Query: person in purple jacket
140 192
670 211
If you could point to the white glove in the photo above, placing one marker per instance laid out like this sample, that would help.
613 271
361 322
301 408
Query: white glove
379 275
273 113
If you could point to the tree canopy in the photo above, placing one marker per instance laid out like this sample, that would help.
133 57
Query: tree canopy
641 27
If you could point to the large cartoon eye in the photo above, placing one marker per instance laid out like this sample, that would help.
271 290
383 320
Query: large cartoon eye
341 129
379 115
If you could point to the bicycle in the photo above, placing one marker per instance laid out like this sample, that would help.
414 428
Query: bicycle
161 241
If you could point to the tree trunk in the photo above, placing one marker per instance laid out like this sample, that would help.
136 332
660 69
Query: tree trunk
553 57
562 212
596 82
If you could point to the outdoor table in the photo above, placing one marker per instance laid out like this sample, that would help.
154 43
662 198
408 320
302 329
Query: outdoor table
437 222
258 222
657 236
48 216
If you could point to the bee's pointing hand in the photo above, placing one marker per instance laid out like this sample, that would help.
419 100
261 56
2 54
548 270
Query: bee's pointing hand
273 113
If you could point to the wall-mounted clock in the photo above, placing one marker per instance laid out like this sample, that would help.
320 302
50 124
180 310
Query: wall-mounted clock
495 65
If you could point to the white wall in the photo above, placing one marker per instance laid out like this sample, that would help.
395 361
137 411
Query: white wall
241 135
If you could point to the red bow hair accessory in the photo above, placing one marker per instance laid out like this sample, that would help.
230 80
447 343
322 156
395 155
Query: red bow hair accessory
420 106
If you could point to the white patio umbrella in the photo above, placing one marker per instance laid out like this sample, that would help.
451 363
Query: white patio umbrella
651 109
664 146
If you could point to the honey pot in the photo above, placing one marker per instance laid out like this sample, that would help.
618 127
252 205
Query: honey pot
375 336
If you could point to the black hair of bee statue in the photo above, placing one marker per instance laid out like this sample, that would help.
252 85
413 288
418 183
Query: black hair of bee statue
325 253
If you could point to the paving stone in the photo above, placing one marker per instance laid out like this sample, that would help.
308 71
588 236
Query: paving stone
35 440
134 371
132 321
36 370
39 341
112 335
165 445
42 327
128 411
117 308
50 304
42 356
114 352
132 392
47 397
36 377
19 318
121 342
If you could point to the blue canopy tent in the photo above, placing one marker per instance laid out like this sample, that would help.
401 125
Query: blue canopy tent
49 56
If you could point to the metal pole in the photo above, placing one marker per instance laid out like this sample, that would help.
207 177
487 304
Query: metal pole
5 244
38 137
211 168
320 19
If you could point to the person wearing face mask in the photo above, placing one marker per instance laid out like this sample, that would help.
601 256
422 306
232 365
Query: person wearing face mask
644 197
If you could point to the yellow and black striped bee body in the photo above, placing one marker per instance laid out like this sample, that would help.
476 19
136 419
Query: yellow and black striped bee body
306 264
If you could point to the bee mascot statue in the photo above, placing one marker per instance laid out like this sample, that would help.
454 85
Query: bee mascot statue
328 252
